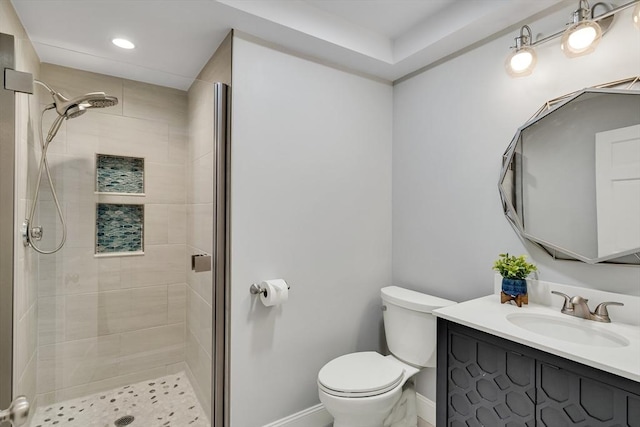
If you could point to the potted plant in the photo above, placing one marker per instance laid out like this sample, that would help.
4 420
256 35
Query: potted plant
514 270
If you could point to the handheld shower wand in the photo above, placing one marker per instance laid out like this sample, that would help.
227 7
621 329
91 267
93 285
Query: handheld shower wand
66 109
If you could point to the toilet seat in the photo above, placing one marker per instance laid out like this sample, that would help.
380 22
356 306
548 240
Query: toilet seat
363 374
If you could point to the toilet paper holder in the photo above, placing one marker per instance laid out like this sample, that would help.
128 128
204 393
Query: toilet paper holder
257 289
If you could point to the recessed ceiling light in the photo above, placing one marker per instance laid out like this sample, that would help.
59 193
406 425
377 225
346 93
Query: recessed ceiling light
123 43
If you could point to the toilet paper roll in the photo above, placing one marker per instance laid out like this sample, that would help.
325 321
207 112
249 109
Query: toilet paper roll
277 292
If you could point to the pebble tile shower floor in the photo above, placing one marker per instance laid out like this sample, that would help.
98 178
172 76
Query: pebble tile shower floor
164 402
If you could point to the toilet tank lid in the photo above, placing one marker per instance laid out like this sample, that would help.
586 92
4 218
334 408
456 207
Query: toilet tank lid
413 300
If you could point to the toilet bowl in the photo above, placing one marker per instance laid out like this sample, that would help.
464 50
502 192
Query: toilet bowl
361 389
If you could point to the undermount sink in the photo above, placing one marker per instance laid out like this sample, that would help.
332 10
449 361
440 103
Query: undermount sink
574 330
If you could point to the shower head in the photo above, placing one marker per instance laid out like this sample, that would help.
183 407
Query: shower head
74 111
106 101
82 103
71 108
95 100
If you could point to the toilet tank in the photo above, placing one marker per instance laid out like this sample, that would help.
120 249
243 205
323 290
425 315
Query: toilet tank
409 326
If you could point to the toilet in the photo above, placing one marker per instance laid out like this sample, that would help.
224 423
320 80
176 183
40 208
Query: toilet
360 389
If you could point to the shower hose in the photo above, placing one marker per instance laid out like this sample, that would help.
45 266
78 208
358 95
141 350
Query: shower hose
35 233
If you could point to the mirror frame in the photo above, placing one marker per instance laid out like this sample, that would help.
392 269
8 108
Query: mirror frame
630 257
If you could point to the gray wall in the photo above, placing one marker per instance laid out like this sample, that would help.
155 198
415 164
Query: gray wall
452 124
311 203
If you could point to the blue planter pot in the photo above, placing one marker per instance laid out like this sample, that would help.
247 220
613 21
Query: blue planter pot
514 287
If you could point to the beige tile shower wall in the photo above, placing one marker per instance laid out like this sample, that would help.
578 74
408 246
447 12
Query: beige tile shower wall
200 181
26 262
107 321
200 239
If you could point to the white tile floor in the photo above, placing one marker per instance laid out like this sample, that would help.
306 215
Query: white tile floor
163 402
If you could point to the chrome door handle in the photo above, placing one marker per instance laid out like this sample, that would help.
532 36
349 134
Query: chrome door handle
17 413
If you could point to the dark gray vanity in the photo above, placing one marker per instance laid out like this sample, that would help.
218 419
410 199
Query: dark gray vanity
485 380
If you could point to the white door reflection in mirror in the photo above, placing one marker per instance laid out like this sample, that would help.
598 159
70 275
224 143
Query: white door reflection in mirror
618 190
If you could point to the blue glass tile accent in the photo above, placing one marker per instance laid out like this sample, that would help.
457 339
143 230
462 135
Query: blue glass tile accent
116 174
119 228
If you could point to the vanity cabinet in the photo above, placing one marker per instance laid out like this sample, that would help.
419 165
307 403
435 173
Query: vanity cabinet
484 380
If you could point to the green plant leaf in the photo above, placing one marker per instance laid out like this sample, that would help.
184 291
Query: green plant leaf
513 267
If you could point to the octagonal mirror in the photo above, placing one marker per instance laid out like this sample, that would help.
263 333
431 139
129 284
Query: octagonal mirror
570 179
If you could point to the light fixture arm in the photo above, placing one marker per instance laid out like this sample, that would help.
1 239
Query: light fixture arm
612 11
583 12
524 39
595 19
593 11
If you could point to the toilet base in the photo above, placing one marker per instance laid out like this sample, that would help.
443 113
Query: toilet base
361 411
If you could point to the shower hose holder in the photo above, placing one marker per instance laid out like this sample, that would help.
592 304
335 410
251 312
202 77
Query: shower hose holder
36 233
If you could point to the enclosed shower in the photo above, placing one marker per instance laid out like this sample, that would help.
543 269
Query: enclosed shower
112 325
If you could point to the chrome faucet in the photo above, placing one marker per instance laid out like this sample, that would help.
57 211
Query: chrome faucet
577 306
580 307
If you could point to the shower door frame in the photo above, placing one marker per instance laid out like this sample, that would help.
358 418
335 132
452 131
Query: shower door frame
220 385
7 220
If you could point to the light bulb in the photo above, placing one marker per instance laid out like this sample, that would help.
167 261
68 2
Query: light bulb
521 62
636 16
581 38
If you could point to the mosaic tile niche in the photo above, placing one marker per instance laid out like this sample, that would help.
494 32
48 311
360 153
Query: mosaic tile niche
119 228
119 174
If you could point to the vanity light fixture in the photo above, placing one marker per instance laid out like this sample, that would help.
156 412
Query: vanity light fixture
583 36
123 43
522 60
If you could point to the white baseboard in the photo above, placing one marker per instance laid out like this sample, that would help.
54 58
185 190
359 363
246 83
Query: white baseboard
426 409
317 416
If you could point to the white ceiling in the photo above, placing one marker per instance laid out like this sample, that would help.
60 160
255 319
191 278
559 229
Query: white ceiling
390 18
175 38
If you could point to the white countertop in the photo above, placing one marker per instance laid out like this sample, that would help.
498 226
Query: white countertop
487 314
